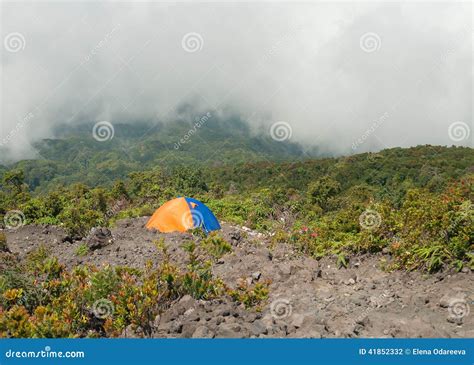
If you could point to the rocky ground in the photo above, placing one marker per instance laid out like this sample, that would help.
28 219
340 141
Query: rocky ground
308 298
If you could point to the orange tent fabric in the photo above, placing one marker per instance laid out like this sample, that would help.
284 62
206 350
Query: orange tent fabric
171 216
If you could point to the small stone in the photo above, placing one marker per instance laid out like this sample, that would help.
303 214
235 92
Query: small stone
188 329
225 312
229 330
201 332
258 328
186 301
98 237
256 275
235 238
164 327
314 334
298 320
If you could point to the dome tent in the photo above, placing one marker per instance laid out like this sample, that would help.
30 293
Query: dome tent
181 214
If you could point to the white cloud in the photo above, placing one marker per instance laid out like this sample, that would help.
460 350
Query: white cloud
299 63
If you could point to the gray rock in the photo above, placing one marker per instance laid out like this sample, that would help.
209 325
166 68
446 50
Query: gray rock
312 333
99 237
224 311
170 315
249 317
187 301
257 328
235 238
229 330
164 327
298 320
317 274
188 329
202 332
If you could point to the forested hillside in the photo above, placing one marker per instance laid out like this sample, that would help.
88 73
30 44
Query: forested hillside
99 156
415 202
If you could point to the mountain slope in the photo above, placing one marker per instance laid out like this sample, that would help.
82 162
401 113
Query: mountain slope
100 155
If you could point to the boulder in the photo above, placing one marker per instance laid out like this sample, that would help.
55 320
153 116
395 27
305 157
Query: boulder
235 238
298 320
229 330
99 237
202 332
257 328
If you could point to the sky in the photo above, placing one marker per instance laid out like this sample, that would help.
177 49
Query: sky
347 77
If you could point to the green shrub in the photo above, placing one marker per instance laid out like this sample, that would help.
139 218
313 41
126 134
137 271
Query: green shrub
253 295
82 249
215 245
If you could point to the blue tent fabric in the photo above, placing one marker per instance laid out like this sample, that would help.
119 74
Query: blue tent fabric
202 216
